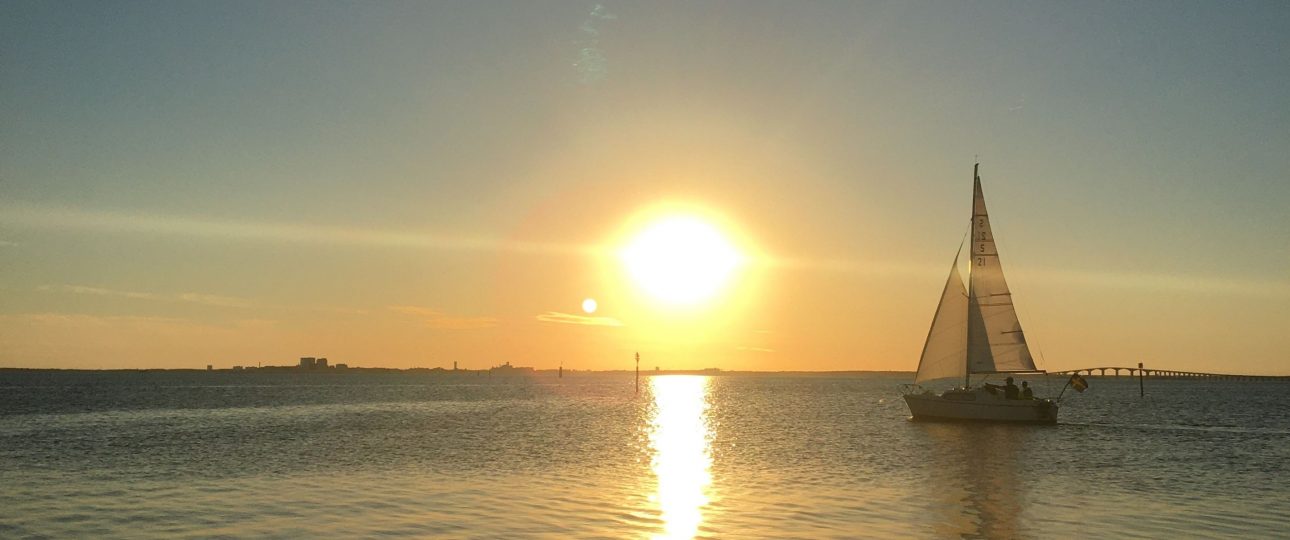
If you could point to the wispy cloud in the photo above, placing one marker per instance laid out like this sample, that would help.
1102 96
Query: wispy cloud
1162 282
136 322
91 320
1144 282
569 318
30 215
98 291
1020 104
214 300
79 340
341 310
434 318
872 267
190 297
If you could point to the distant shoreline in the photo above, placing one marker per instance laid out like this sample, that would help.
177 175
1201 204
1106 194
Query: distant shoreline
530 372
443 371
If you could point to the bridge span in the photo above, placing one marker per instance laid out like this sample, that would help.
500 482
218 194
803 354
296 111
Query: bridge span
1116 371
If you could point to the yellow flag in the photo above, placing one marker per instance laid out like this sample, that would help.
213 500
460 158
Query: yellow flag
1078 383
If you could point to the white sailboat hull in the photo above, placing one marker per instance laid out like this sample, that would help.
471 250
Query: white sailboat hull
980 406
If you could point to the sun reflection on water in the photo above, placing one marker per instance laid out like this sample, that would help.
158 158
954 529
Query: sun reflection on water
680 439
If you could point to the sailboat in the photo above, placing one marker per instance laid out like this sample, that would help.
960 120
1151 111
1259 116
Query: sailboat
975 331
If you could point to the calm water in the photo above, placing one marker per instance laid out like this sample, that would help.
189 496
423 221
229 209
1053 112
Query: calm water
343 455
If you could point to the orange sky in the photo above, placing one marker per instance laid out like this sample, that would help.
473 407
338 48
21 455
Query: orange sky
440 183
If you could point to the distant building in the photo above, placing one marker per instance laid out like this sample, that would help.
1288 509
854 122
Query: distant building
320 363
507 368
342 366
210 367
307 362
237 368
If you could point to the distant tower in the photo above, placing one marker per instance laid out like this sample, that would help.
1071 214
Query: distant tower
454 365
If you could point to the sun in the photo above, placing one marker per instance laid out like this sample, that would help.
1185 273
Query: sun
681 260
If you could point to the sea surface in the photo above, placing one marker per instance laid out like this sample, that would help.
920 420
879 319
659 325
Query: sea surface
314 455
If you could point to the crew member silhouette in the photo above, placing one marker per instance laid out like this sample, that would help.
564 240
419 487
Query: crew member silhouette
1009 390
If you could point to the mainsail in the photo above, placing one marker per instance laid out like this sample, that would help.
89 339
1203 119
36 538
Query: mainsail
975 329
995 340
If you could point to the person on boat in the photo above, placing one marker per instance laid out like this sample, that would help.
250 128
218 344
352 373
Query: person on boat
1026 392
1010 390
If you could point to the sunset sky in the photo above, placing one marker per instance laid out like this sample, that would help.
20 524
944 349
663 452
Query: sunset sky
409 184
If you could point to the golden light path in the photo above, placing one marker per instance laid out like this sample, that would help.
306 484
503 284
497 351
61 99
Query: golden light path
680 437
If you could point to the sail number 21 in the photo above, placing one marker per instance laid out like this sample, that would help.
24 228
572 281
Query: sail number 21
980 223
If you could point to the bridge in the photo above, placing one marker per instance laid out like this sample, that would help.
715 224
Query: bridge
1116 371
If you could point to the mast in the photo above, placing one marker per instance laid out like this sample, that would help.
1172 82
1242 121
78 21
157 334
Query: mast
967 364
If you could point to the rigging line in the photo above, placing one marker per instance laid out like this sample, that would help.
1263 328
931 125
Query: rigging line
963 240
